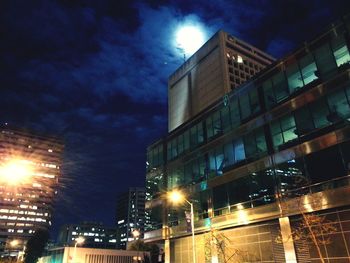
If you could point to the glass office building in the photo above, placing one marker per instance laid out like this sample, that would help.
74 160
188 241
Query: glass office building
260 160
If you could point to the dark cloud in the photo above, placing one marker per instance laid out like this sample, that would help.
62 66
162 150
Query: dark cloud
95 73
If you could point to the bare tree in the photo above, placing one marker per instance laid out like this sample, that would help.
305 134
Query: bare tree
224 248
313 228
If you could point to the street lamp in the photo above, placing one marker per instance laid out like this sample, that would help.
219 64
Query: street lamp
14 243
178 197
136 234
79 240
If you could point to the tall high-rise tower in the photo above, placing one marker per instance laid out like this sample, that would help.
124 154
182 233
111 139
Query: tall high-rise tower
29 172
130 215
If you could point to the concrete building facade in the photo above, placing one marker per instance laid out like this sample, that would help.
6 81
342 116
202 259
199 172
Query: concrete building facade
91 255
219 66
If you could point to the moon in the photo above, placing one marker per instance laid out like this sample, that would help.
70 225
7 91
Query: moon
189 39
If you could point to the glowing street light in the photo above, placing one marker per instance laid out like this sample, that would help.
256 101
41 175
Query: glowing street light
78 241
15 171
178 197
14 243
136 233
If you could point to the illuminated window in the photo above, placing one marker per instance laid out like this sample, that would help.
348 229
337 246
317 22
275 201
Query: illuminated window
340 51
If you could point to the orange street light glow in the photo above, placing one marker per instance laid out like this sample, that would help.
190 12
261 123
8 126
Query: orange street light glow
176 196
15 171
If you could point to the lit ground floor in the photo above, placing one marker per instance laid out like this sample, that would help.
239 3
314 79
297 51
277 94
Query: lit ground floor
306 237
92 255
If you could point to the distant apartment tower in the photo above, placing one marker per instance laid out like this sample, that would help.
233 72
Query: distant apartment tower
219 66
95 235
29 172
130 215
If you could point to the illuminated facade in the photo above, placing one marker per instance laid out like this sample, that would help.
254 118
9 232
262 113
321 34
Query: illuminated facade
29 173
94 234
260 159
223 63
130 215
91 255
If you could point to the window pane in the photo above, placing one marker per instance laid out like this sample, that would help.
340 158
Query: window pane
289 135
169 150
250 145
193 132
225 118
280 86
303 121
308 69
186 140
254 101
261 188
291 175
173 148
239 150
188 173
180 141
212 165
220 199
320 111
217 123
219 157
325 60
200 134
161 161
244 105
234 110
287 122
295 81
339 106
209 126
275 127
277 139
321 169
268 94
283 130
202 168
341 52
195 171
229 154
155 156
260 141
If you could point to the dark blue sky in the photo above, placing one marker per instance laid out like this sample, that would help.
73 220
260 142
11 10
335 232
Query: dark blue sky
95 73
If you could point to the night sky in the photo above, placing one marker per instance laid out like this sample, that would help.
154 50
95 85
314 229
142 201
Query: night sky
95 73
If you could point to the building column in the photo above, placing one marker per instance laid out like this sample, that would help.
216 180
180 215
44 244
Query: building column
167 250
287 240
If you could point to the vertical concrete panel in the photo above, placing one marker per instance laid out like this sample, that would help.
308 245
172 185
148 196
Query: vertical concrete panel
167 250
288 245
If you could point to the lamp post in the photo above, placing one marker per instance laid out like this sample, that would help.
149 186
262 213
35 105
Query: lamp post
79 240
13 245
136 234
178 197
